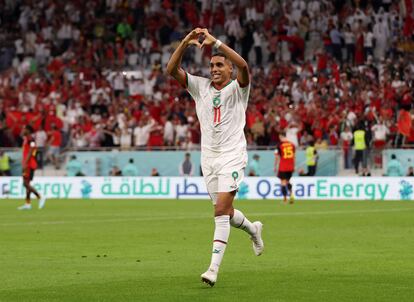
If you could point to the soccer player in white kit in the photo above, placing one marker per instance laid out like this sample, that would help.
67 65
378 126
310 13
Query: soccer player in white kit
220 104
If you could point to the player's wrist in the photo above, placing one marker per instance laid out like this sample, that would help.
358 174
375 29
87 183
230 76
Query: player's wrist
185 42
217 43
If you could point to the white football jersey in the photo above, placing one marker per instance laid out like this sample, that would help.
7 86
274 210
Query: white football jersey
221 114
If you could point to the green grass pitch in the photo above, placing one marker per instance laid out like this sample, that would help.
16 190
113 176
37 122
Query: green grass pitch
155 250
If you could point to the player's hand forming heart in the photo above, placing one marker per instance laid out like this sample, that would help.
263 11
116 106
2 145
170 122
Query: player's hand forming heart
208 38
193 37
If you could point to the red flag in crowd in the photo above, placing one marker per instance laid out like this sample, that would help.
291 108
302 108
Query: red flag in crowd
407 7
404 122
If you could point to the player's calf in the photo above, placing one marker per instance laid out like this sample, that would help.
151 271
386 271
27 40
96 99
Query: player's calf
241 222
290 192
284 193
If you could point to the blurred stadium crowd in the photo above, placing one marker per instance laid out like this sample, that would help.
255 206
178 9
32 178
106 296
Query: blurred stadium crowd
91 73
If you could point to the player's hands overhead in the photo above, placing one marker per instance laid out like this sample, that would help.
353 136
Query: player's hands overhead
193 36
208 38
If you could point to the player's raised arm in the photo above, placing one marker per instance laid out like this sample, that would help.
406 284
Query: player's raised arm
174 64
242 68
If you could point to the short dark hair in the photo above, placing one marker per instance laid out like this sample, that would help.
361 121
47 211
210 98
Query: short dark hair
393 156
282 133
131 160
29 128
187 154
219 54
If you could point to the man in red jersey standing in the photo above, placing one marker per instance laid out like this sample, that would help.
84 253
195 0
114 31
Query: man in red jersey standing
29 166
285 165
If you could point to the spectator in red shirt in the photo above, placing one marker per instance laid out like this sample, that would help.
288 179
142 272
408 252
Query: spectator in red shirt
333 136
156 138
54 143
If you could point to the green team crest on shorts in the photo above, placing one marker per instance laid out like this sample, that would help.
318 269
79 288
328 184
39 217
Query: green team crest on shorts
235 175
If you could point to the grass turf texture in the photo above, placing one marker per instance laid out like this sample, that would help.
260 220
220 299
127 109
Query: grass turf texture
155 250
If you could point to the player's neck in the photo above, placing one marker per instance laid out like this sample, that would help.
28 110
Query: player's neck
222 85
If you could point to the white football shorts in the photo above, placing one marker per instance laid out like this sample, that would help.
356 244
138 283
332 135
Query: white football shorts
223 174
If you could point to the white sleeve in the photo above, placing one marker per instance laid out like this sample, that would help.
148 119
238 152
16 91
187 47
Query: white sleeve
194 84
243 92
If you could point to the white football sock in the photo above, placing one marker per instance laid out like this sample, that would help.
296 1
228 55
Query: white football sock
221 236
241 222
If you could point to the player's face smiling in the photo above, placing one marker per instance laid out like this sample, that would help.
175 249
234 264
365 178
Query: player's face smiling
220 70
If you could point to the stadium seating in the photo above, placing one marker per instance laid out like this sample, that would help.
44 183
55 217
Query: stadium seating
95 69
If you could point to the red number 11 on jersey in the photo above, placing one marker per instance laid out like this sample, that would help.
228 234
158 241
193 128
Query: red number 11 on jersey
217 114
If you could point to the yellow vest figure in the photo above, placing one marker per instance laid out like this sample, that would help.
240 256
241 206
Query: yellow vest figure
359 140
310 156
4 164
360 147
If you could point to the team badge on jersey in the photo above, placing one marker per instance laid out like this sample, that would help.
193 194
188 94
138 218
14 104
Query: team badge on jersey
216 108
216 101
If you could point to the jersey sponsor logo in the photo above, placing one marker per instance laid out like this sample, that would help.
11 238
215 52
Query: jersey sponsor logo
216 251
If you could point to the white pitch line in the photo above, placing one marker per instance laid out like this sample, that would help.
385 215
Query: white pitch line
202 216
